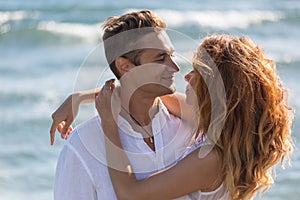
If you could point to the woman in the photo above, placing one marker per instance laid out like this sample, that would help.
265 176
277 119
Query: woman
255 137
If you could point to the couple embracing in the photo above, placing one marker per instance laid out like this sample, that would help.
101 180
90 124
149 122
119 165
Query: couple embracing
220 140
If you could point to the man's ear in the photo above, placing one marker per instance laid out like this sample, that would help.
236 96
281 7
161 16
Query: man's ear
123 65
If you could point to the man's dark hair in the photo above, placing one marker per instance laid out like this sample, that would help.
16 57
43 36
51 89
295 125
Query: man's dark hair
141 19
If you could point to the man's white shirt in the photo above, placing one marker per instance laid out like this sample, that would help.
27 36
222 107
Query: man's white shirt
82 171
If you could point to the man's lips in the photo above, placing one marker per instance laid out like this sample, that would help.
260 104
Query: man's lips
171 77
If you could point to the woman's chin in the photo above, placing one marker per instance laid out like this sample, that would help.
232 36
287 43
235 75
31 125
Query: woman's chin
189 101
190 97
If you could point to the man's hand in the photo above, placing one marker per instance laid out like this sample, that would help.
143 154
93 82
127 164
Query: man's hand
64 116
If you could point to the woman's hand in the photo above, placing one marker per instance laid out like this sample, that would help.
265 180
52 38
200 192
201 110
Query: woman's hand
64 116
105 103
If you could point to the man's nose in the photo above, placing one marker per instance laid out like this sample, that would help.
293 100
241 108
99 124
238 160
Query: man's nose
173 65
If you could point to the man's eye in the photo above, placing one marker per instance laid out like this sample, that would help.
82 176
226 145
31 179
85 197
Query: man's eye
163 58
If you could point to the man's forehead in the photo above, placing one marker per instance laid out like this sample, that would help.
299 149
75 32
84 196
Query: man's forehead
157 40
136 39
159 52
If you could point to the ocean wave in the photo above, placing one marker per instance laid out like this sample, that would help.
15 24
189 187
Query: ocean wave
88 32
15 16
218 19
28 106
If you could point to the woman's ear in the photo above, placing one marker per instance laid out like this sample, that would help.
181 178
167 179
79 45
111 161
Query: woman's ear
123 65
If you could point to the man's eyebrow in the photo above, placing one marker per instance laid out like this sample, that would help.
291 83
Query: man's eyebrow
162 53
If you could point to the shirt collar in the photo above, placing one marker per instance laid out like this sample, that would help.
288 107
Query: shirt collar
162 115
163 109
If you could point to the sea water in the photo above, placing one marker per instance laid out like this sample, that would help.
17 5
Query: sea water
48 49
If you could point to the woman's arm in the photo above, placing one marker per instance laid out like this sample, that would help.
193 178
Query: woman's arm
176 104
64 116
189 175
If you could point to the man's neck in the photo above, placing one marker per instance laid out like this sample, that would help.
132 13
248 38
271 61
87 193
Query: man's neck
139 111
140 108
143 110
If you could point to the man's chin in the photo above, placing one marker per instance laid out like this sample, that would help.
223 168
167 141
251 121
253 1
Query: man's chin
169 90
172 88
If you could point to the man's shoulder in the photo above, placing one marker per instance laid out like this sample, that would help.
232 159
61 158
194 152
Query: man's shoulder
90 123
87 130
87 139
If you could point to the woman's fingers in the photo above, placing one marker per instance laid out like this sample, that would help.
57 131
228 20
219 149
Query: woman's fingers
103 100
110 84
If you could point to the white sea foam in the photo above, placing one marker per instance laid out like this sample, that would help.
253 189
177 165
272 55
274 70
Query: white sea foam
5 28
217 19
89 33
14 16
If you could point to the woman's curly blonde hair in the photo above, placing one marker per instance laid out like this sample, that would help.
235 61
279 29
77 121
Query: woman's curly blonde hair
257 124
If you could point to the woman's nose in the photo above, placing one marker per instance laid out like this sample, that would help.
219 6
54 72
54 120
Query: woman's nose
187 77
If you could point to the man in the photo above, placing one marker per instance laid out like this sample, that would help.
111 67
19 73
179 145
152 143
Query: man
139 54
